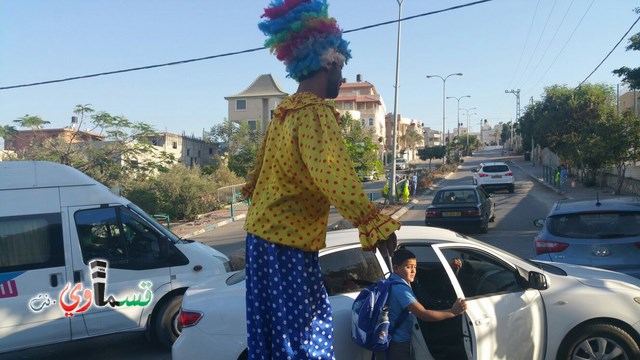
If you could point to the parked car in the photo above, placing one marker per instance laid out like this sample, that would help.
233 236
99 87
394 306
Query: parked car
601 233
401 164
516 308
78 261
367 175
461 207
494 176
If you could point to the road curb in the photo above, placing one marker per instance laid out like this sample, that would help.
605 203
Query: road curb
215 226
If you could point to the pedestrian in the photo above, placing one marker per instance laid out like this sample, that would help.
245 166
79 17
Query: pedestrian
564 174
414 182
302 168
402 298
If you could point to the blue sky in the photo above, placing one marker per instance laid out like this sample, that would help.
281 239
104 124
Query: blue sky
499 45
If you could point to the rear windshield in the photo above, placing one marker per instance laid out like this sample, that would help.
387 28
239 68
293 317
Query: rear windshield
595 225
495 168
455 196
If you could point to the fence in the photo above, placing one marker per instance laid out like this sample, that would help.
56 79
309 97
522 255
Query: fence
229 193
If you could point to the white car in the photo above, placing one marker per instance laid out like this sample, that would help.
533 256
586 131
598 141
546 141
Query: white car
494 175
517 309
401 164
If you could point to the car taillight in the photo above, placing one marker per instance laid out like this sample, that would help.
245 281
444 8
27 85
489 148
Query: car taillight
432 213
483 174
544 246
474 212
509 174
189 318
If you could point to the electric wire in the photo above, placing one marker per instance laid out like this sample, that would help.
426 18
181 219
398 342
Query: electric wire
606 57
180 62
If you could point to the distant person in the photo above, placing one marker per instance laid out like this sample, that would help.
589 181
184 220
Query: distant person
414 183
301 169
402 297
564 174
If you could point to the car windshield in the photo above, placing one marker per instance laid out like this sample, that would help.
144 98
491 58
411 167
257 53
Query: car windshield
495 168
455 196
595 225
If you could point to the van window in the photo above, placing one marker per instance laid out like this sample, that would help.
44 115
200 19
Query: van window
121 237
31 242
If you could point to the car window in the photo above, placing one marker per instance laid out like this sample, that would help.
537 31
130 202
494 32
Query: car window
455 196
31 242
481 274
495 168
595 225
117 235
349 270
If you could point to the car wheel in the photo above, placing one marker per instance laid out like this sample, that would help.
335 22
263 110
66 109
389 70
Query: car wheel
599 341
167 322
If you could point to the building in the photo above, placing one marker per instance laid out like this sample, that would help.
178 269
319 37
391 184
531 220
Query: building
432 137
187 150
403 146
24 138
255 105
363 102
630 101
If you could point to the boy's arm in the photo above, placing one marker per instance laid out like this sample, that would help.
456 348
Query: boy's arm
425 314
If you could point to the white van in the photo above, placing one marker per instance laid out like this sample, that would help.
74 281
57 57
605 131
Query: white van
78 261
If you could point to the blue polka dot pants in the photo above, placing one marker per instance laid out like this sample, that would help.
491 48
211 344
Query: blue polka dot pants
288 311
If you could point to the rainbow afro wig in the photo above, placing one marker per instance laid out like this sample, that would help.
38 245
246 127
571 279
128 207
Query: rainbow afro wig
303 36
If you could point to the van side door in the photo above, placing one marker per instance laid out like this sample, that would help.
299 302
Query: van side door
123 261
32 269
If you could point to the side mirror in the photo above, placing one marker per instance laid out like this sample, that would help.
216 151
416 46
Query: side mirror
538 281
539 222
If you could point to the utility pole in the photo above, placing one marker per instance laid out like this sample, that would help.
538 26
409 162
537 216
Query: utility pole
533 118
517 94
392 179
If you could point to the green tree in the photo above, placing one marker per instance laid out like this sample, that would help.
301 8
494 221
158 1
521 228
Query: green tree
126 154
412 139
433 152
359 143
631 76
240 144
621 134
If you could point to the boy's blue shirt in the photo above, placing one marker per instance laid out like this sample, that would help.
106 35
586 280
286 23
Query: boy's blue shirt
399 298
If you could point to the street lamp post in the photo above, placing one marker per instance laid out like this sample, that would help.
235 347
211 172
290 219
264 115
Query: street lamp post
517 94
458 98
468 129
392 180
444 82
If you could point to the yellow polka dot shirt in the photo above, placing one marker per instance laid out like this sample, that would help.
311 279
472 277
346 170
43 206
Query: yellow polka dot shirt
302 167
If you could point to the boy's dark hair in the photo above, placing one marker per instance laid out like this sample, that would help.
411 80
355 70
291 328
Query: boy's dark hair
401 255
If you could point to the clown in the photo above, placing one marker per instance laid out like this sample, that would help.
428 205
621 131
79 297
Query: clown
302 168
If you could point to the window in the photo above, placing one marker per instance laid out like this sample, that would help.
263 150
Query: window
483 275
31 242
349 270
188 152
119 236
362 122
210 151
175 145
370 121
595 225
252 124
241 104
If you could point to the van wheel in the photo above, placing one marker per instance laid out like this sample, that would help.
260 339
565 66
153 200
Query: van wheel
167 322
603 340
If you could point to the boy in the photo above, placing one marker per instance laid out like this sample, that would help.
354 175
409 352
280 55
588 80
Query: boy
401 297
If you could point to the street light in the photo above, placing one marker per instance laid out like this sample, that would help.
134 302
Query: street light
444 82
392 180
468 128
458 98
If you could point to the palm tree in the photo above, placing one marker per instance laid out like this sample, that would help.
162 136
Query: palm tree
411 139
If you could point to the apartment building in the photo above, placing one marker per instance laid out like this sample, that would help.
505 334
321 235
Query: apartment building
255 105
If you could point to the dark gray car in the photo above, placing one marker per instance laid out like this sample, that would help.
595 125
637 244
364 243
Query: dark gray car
461 207
599 233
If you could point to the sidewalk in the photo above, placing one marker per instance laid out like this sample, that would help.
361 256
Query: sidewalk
222 217
578 192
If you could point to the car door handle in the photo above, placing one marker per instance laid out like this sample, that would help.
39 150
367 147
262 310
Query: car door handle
77 276
483 321
55 279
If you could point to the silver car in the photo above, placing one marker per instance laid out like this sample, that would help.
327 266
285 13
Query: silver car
599 233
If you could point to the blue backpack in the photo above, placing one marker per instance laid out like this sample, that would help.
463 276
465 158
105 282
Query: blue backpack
370 316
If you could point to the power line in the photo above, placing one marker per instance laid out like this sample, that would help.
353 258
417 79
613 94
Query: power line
180 62
605 58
